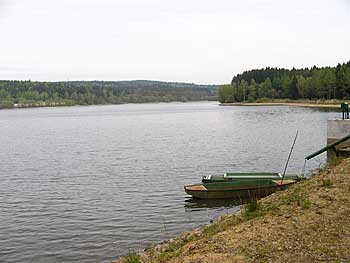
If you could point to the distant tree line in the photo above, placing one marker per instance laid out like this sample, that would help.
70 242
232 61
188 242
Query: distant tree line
34 93
279 83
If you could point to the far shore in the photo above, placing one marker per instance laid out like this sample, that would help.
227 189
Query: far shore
316 104
328 104
59 104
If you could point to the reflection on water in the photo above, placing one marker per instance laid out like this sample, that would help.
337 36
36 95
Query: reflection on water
193 204
327 110
212 209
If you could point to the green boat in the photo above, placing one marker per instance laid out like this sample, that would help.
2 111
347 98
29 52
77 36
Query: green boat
240 185
234 176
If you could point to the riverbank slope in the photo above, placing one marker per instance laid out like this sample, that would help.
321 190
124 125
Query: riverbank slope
309 222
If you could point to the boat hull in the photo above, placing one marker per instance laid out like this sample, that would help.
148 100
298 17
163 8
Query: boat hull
207 191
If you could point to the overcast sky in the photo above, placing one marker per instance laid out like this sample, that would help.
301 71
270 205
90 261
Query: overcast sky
202 41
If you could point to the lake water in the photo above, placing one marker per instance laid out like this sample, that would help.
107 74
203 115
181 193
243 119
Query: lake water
88 184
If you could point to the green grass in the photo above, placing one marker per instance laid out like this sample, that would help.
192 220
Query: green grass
260 254
217 227
305 203
299 196
163 256
173 249
272 208
327 182
334 161
214 228
173 246
132 258
253 206
253 209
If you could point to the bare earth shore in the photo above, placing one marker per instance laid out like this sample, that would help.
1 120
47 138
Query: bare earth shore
308 222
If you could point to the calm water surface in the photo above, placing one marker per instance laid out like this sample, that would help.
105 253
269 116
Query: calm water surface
87 184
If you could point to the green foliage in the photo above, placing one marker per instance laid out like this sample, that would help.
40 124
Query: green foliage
279 83
6 104
252 91
226 93
30 94
132 258
293 89
263 99
265 87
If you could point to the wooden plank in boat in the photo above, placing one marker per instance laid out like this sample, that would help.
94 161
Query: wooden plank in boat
285 182
196 188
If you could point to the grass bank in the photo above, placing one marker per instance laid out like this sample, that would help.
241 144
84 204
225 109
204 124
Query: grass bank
308 222
329 104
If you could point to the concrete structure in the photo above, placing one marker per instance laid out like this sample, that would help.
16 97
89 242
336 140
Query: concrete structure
337 129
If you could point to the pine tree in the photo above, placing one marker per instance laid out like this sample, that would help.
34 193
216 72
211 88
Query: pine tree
293 89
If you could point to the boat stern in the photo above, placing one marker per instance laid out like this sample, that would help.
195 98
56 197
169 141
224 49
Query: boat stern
196 191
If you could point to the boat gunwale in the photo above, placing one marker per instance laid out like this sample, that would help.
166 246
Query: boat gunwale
248 176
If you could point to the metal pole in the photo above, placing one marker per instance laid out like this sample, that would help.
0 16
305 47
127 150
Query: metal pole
290 153
304 167
327 147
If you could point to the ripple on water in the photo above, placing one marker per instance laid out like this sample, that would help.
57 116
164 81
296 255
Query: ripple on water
87 184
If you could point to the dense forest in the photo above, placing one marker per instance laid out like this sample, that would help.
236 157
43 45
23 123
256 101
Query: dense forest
33 93
279 83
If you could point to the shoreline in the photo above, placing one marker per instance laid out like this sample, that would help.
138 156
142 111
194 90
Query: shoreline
320 105
293 104
104 104
308 222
